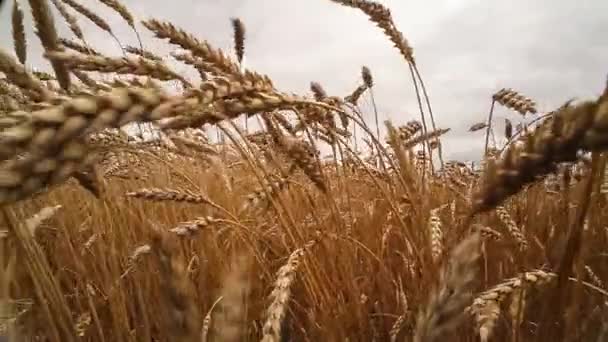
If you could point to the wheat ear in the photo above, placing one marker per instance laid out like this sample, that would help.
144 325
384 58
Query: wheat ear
69 18
281 294
446 306
19 33
45 26
184 323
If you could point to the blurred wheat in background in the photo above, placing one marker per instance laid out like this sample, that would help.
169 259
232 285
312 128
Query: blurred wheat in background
166 234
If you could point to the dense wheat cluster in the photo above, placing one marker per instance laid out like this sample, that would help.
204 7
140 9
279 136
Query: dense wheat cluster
168 235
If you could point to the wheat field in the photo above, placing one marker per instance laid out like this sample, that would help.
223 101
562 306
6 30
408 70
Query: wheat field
123 219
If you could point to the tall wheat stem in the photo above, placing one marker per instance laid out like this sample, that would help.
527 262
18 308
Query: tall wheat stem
428 104
426 146
490 115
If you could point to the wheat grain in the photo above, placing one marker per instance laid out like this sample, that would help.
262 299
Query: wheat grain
436 234
513 100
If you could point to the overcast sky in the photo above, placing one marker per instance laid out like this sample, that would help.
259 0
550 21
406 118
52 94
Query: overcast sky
550 50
